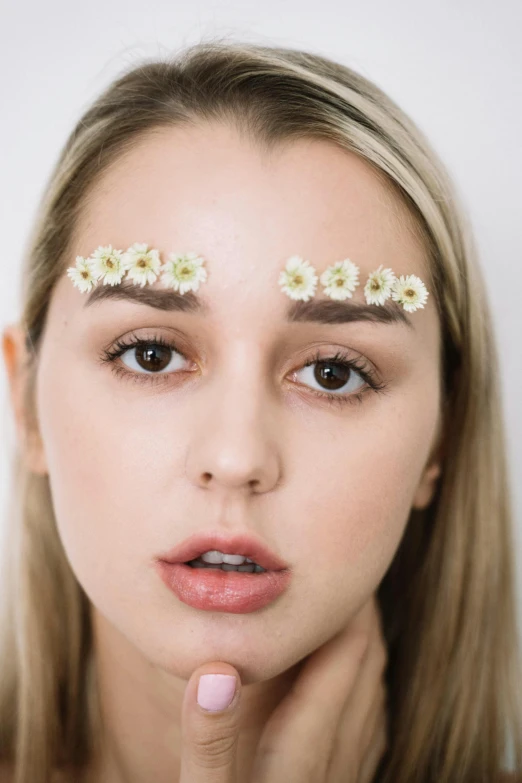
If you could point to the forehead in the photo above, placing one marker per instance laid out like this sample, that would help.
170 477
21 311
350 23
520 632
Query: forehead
246 210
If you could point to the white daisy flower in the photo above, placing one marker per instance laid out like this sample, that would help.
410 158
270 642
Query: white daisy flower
379 286
340 279
81 274
142 265
298 279
107 263
410 292
184 272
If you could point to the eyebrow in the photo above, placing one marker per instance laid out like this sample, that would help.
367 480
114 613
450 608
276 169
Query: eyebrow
326 311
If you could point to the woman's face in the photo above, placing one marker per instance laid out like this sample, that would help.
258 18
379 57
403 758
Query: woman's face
236 437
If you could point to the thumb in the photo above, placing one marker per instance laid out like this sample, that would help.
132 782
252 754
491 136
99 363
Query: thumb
210 725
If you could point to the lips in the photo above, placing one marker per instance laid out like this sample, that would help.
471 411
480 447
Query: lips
223 591
239 544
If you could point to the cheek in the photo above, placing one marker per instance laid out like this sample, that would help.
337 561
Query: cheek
100 436
357 486
108 461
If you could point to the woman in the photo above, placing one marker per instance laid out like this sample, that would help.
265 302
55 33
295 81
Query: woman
215 349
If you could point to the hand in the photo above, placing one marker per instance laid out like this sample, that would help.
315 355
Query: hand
330 728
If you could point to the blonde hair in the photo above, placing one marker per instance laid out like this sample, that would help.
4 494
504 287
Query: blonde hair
448 599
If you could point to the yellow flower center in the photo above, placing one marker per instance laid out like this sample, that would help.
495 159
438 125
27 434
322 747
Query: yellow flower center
84 274
409 292
375 285
298 279
339 282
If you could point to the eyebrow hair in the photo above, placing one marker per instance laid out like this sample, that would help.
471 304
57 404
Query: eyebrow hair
327 311
161 299
332 311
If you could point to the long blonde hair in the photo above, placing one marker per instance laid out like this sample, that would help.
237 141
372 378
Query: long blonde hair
448 599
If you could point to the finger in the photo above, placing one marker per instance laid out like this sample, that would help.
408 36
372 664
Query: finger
297 740
210 736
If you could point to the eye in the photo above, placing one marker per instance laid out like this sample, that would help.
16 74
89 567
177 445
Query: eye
331 376
149 360
152 357
338 378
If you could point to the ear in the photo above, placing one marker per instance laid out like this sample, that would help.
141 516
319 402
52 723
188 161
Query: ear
16 357
428 482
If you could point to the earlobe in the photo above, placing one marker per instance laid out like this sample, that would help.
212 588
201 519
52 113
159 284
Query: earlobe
13 353
429 480
15 359
35 455
427 486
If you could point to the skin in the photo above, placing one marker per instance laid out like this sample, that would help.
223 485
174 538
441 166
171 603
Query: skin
137 468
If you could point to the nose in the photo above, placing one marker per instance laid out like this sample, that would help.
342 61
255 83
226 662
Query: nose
234 445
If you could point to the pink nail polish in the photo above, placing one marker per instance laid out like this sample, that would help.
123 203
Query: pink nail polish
216 691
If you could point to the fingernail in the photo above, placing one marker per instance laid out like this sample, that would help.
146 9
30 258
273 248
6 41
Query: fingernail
216 691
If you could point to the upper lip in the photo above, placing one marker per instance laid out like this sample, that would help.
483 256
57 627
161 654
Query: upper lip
239 544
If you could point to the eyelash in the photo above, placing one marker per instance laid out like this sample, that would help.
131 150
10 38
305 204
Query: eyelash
340 359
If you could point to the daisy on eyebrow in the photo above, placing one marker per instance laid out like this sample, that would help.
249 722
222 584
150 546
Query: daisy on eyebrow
182 272
379 286
340 279
108 263
143 265
82 274
410 292
298 280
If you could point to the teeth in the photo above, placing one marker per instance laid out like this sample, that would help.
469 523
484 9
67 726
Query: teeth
214 556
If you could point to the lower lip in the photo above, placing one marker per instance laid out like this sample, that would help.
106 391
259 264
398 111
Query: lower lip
223 591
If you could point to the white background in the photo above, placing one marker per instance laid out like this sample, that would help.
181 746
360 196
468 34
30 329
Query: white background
454 66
